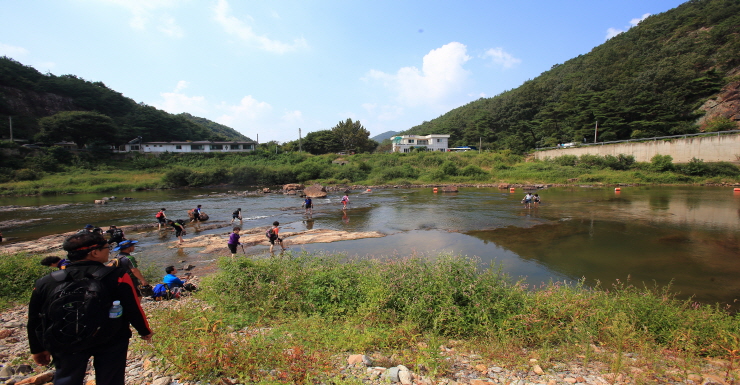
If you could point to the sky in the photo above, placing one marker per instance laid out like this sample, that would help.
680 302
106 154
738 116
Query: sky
275 69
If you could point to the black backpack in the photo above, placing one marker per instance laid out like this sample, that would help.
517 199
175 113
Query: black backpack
75 315
116 235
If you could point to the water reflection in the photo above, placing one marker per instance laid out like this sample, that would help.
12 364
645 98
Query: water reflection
685 235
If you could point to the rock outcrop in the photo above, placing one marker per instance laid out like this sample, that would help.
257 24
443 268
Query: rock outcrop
725 105
315 191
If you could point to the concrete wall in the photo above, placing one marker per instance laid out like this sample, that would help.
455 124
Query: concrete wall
722 148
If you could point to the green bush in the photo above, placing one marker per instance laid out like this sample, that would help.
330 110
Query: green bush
20 272
472 170
26 174
566 160
695 167
661 162
449 168
177 177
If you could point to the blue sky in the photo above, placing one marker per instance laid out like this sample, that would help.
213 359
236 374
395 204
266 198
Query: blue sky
268 68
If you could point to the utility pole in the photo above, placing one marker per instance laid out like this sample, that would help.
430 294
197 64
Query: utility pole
299 140
596 130
480 144
10 119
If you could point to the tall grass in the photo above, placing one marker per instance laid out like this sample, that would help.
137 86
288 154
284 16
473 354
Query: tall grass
283 320
20 272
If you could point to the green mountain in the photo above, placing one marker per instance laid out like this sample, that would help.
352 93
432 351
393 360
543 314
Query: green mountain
386 135
648 81
28 96
215 127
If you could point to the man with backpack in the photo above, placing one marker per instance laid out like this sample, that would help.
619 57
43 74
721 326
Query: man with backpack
116 235
179 228
161 218
273 236
85 311
237 214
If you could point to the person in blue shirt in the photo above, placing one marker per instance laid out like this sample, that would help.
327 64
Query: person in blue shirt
172 280
177 284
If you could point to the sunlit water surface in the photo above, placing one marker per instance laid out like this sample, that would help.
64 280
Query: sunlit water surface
686 236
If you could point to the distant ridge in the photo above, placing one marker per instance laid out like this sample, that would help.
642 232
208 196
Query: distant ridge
29 96
215 127
386 135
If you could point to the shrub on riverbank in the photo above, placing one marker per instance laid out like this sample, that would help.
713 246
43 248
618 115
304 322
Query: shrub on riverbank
267 169
19 272
292 314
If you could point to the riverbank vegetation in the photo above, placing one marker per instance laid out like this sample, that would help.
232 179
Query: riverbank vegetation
50 173
288 319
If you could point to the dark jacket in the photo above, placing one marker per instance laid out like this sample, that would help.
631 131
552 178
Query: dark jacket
117 282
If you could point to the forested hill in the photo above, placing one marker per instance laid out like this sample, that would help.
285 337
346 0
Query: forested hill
28 96
648 81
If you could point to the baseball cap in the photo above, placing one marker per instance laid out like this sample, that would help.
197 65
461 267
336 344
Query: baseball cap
125 244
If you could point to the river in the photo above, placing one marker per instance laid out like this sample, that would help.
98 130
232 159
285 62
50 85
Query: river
685 236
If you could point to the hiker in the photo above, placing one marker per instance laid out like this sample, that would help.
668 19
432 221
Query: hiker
536 200
179 228
308 204
196 214
101 332
128 262
273 236
234 240
161 218
57 262
87 229
345 201
527 200
116 235
237 215
176 284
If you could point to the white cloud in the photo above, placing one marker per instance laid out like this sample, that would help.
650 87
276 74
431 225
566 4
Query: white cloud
12 51
248 111
236 27
292 117
169 27
502 58
442 74
611 32
176 102
636 21
145 12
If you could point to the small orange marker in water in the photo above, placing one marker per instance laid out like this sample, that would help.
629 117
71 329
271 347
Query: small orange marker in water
617 189
736 189
435 190
511 190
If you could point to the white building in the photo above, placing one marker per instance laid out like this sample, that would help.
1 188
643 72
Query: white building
433 142
186 146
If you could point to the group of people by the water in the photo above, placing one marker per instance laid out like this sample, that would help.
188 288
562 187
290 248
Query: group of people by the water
531 200
120 287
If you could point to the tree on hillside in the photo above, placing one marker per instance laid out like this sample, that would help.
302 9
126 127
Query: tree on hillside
321 142
352 136
80 127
